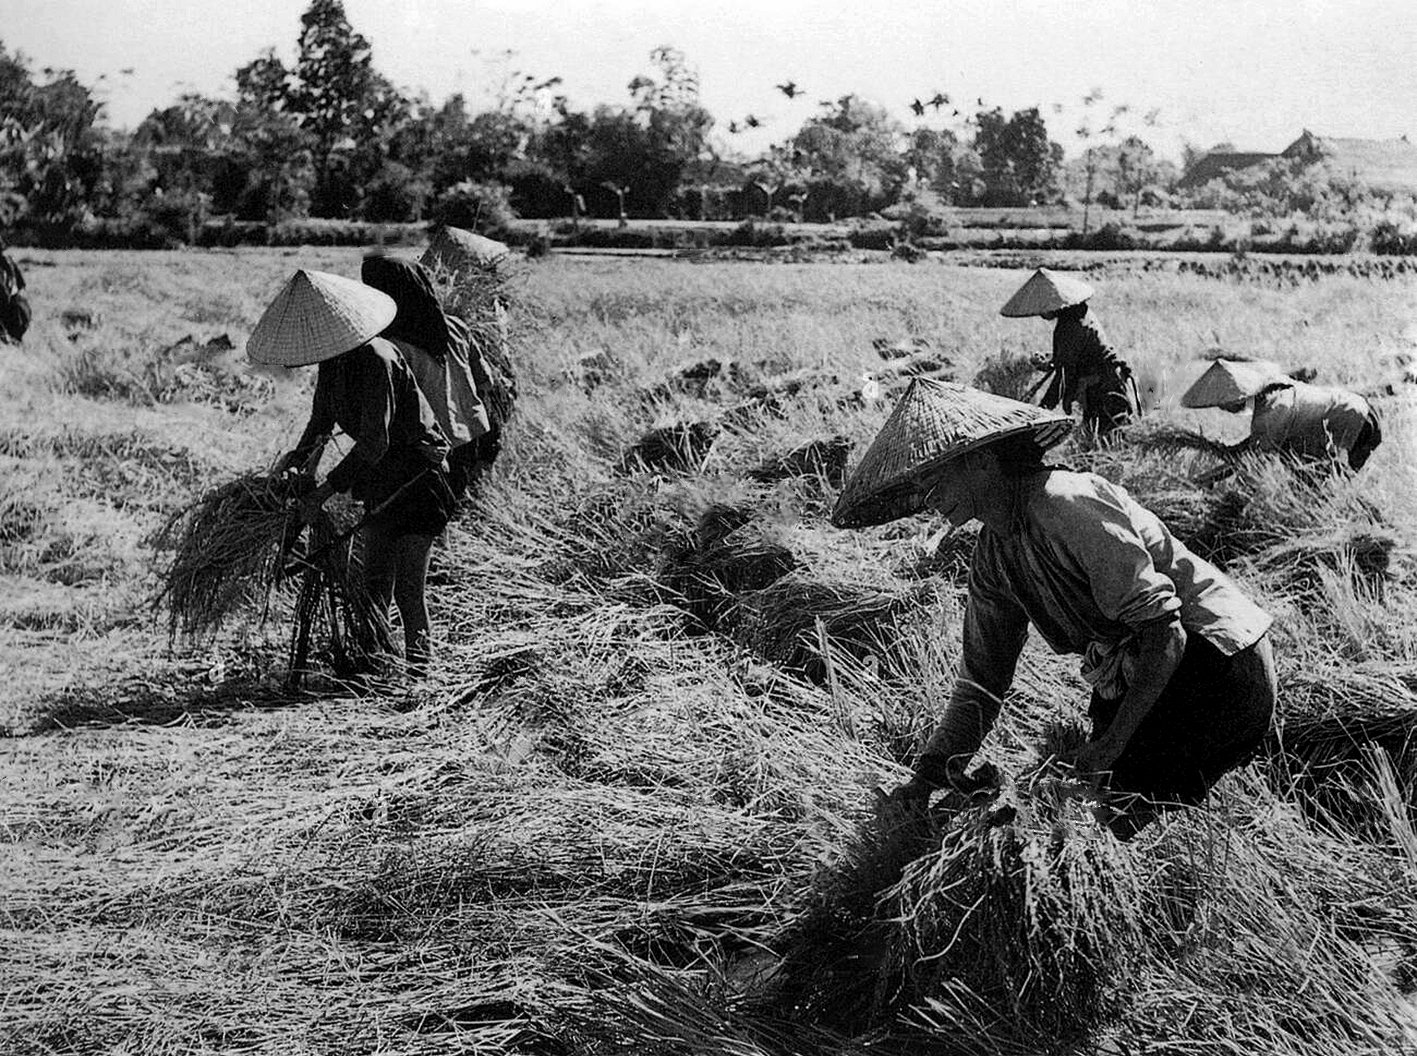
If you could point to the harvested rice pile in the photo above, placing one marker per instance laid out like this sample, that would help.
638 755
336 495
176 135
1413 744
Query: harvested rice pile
824 458
1332 726
475 276
728 555
798 619
678 448
734 575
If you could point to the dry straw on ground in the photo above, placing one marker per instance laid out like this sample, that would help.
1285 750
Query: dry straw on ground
599 829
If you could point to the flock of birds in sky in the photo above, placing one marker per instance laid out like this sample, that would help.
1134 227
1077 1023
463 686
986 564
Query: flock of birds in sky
936 102
939 100
792 90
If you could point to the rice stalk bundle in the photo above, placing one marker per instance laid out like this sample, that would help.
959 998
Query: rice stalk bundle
1329 724
780 622
1007 375
227 550
946 557
727 555
818 458
988 927
617 532
678 448
239 541
1362 551
480 297
1162 436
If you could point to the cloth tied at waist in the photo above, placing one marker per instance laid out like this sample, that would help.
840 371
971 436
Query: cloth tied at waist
1108 667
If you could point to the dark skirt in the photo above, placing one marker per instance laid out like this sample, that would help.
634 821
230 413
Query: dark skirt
1211 718
1369 437
1108 397
14 318
406 494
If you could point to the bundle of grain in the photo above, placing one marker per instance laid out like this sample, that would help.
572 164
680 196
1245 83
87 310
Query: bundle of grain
227 550
1362 551
474 276
1007 375
817 458
231 547
705 379
785 386
901 348
1330 722
921 365
727 556
780 622
945 555
593 368
1151 435
678 448
1002 924
332 599
616 532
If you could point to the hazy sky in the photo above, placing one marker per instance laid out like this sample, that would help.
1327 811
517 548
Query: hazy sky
1254 73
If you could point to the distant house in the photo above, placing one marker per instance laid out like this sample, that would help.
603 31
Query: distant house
1216 164
1383 164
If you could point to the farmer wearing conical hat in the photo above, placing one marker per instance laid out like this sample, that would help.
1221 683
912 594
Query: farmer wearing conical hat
1181 669
396 464
1085 369
1315 423
435 346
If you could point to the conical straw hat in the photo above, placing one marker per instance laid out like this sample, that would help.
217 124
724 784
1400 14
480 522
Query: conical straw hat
1229 381
1046 291
317 316
935 422
453 249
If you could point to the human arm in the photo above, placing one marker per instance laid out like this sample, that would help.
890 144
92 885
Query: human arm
1054 392
1160 645
995 627
307 450
367 385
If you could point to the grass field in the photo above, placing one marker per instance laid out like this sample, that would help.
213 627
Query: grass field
631 810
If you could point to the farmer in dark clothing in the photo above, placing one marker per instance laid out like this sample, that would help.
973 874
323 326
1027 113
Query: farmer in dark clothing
476 266
1178 658
1086 371
396 465
14 306
435 346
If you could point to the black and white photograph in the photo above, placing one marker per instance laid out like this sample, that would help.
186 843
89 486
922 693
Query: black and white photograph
649 528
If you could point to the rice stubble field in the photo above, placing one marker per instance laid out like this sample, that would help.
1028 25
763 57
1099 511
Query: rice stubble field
632 810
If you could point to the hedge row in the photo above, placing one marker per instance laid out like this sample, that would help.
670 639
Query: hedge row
1384 239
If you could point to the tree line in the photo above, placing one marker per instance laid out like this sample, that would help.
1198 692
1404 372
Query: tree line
330 136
